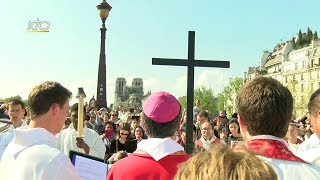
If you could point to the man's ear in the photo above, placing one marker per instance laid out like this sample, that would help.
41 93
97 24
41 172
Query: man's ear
54 109
243 127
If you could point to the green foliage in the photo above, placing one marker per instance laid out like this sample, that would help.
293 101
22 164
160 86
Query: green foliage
6 100
300 98
315 35
293 43
299 40
310 35
206 97
226 98
224 101
183 101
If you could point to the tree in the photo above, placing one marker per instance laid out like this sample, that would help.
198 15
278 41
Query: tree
300 97
206 97
315 35
293 43
299 40
183 101
226 99
310 35
8 99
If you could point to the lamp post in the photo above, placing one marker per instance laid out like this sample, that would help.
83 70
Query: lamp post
104 9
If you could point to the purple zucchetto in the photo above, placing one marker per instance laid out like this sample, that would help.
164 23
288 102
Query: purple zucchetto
161 107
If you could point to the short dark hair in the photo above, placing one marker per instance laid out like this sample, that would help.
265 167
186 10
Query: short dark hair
144 136
131 110
265 106
160 130
74 108
234 115
125 127
233 120
203 113
184 127
44 95
314 103
15 102
111 124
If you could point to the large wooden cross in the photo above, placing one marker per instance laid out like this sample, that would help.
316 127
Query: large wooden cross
190 63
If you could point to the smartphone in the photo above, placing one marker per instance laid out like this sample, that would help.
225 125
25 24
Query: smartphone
235 143
224 130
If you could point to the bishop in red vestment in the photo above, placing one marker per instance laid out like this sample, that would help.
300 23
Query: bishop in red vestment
159 156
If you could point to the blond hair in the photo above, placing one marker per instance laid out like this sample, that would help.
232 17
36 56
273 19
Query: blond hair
224 163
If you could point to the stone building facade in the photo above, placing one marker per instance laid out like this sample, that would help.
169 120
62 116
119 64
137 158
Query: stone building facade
129 96
296 68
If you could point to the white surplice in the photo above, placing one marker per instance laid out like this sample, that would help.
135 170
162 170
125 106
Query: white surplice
309 150
32 154
67 141
159 148
6 138
206 144
288 170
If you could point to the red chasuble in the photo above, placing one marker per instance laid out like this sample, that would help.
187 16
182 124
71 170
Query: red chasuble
143 167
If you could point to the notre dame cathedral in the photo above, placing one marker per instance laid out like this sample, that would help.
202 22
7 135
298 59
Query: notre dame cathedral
129 96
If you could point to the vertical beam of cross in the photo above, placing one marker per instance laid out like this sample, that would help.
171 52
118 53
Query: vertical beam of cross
190 63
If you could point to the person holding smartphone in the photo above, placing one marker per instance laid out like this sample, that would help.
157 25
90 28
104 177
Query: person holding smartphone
232 135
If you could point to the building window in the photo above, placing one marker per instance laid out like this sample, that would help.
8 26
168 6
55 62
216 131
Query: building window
293 77
303 64
312 75
286 79
311 87
301 77
315 52
301 87
296 66
312 62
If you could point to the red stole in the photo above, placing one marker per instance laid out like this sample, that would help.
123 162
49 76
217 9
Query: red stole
272 149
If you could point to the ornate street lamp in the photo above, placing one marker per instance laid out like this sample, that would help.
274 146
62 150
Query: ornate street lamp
104 9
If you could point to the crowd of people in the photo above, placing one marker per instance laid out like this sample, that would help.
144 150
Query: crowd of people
262 140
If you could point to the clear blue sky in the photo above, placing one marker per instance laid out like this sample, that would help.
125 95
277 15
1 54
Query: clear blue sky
138 30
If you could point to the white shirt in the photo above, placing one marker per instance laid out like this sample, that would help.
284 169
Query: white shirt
6 138
67 141
32 155
293 148
309 150
288 170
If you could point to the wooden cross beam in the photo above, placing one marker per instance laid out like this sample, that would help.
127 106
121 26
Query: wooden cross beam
190 63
